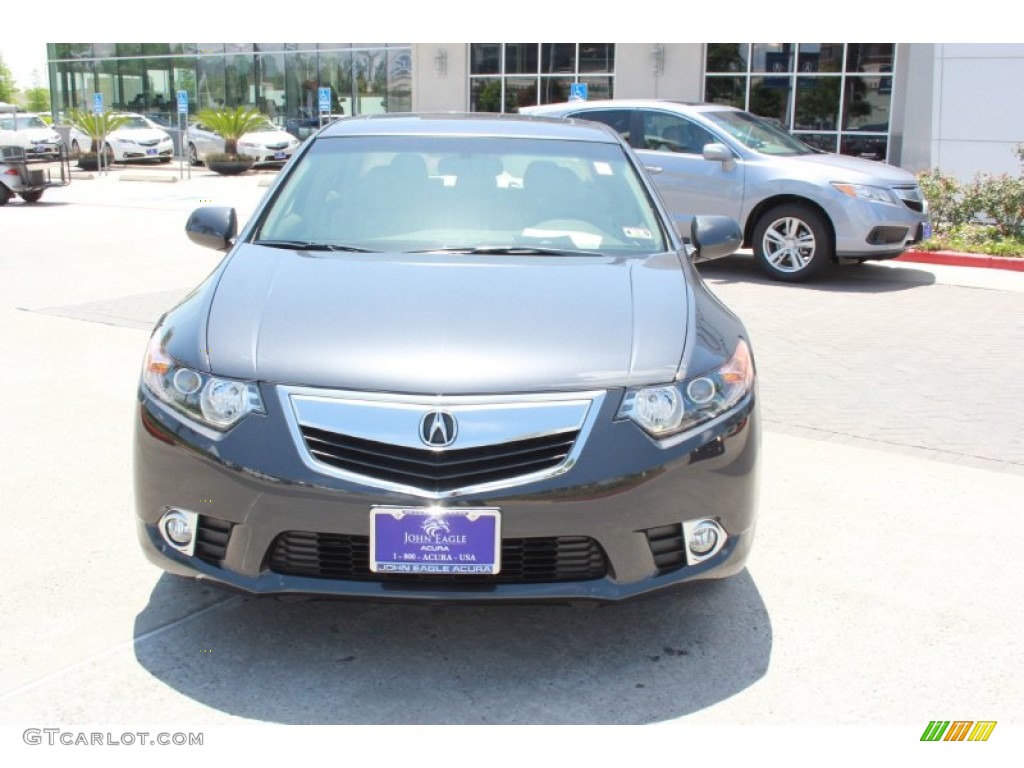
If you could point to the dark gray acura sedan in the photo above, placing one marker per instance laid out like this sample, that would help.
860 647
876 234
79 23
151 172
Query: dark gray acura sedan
451 357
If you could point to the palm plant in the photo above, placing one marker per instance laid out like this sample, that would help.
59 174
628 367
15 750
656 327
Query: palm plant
232 124
97 126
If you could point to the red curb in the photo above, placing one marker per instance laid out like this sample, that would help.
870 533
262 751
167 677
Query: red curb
957 259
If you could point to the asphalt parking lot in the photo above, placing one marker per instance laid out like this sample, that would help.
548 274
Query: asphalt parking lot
883 589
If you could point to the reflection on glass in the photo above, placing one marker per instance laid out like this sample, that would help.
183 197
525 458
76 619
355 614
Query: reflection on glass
870 57
820 57
485 59
597 57
485 94
770 97
599 87
399 80
726 90
817 103
826 142
520 92
727 57
772 57
554 89
558 57
868 147
521 58
866 107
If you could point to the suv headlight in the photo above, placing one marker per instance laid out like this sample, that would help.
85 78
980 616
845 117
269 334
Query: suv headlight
864 192
673 408
211 400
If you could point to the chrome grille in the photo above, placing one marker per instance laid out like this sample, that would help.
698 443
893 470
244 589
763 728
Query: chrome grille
438 471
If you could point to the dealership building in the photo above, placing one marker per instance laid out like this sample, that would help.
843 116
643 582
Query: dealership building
917 105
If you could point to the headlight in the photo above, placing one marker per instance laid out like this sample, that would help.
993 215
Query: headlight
211 400
864 192
673 408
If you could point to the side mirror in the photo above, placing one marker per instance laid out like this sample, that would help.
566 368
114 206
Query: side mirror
719 153
713 237
212 227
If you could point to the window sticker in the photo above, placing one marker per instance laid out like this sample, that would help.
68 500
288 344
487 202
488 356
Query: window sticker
637 233
602 168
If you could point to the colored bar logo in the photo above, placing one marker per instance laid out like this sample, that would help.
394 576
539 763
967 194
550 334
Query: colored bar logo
958 730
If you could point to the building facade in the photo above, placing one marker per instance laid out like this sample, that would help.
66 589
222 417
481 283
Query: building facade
917 105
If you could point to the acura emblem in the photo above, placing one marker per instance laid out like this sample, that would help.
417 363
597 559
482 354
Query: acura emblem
438 429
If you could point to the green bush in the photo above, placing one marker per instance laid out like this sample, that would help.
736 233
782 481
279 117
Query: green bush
985 215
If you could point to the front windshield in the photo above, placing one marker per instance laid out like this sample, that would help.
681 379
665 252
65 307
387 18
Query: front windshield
758 134
24 121
265 125
430 193
134 121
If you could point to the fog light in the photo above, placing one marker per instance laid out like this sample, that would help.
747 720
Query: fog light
704 538
178 527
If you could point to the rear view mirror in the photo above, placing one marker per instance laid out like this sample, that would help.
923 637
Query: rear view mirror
212 227
713 237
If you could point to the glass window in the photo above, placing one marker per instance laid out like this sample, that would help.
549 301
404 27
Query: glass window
817 103
430 193
772 57
554 90
666 132
485 94
617 119
597 57
866 146
865 109
869 57
820 57
520 92
726 90
598 87
521 58
826 142
558 57
485 59
770 98
727 57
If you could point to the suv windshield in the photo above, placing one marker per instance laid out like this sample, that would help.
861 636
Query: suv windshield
758 134
458 193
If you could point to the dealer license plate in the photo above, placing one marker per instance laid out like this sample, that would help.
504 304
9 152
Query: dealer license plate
150 151
437 541
280 156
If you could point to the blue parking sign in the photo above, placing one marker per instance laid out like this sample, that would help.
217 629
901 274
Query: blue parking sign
577 92
183 102
97 103
325 99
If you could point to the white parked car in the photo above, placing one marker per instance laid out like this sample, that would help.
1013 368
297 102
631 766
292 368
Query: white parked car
138 139
30 132
270 144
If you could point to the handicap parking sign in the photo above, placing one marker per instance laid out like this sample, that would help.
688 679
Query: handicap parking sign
183 102
97 103
577 92
325 99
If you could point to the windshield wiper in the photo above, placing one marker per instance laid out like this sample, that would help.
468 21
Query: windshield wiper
309 245
510 250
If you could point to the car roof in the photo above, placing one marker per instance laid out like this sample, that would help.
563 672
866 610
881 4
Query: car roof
682 106
470 124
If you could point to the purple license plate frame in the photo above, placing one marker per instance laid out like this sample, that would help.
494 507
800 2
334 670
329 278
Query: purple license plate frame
431 540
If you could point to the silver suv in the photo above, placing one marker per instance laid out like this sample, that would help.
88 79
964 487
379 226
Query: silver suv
798 207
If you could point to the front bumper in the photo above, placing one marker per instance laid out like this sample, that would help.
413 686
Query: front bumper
625 497
125 152
265 156
868 230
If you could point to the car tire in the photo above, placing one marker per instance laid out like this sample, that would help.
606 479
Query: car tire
792 243
193 155
165 159
33 196
5 194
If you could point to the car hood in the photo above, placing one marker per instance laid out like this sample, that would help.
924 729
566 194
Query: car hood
139 134
447 324
267 137
855 169
26 137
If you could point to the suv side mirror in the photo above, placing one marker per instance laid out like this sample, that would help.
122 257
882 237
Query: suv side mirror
713 237
719 153
212 227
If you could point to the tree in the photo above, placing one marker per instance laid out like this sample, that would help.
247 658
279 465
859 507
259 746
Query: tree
97 127
7 85
231 124
37 98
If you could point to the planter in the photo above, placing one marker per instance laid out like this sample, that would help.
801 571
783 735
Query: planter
229 165
89 162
